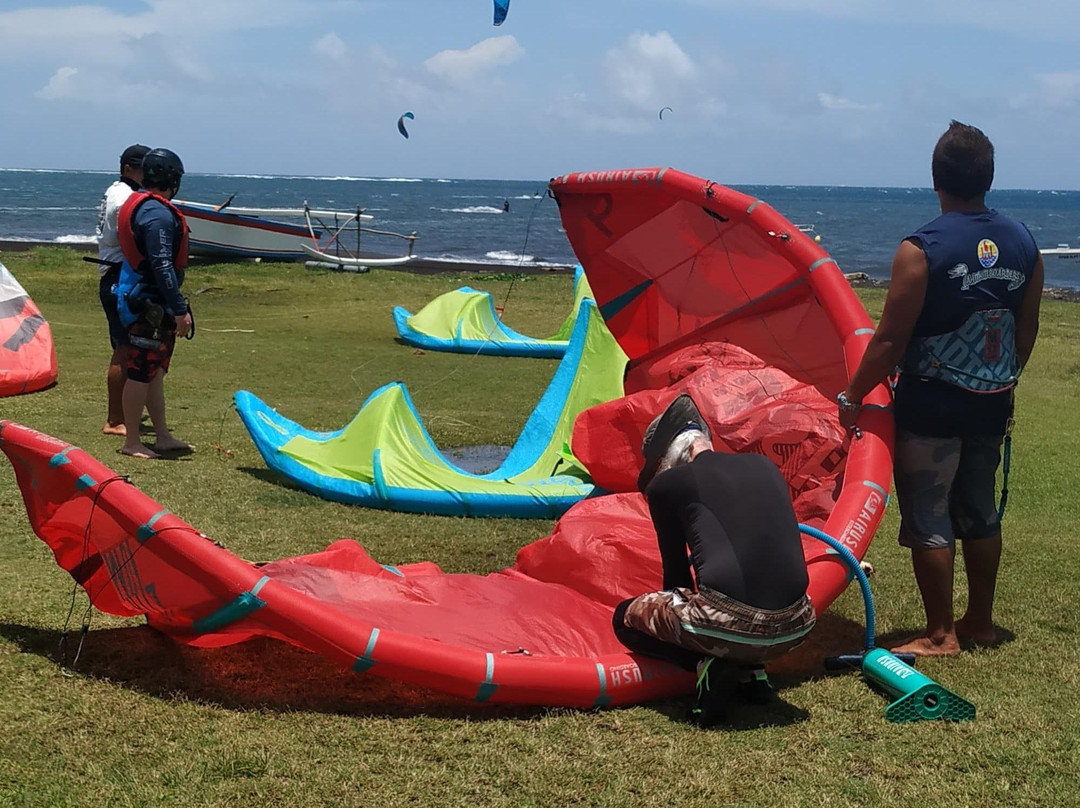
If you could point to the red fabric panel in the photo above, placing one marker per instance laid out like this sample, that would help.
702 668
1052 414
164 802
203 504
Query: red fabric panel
499 612
749 406
27 355
604 548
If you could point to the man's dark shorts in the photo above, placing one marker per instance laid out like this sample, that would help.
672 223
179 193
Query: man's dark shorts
118 335
149 351
709 623
946 489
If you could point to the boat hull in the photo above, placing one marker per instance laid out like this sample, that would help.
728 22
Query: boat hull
228 234
1061 256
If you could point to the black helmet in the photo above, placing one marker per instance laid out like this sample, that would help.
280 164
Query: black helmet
162 169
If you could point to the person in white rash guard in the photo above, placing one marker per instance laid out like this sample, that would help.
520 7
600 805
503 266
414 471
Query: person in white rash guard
110 258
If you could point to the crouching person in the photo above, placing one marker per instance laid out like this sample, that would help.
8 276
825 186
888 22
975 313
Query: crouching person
746 601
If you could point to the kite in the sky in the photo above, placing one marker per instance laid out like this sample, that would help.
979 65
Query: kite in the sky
501 7
669 109
401 124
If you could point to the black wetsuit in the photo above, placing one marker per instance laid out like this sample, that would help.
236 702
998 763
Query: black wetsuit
734 513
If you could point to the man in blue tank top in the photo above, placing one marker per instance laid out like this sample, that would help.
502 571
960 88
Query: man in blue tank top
960 320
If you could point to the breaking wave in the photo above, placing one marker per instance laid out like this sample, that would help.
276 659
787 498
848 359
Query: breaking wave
472 209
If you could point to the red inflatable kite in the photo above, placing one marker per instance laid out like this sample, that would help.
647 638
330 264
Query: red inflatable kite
27 357
708 291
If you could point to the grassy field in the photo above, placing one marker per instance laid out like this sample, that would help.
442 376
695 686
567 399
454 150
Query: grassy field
141 721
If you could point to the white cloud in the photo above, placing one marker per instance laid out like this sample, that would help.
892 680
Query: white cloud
98 88
638 77
331 48
175 42
710 108
1060 89
100 32
185 47
458 66
1050 93
836 102
1040 19
61 85
648 71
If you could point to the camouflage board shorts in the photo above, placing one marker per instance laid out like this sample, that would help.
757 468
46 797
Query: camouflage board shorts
149 350
710 623
946 488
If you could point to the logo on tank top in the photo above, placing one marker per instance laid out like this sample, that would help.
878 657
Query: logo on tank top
968 279
988 253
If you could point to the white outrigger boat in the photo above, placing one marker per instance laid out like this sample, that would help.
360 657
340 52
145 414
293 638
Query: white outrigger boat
1061 253
325 238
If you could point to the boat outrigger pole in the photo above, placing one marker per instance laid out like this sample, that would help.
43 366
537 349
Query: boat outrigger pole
333 225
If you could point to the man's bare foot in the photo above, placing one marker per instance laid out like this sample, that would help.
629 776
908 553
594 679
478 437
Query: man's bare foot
114 429
172 445
967 633
139 451
928 646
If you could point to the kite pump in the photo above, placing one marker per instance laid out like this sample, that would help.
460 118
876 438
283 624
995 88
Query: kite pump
916 696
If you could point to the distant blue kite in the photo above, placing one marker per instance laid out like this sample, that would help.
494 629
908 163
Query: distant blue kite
401 124
669 109
501 7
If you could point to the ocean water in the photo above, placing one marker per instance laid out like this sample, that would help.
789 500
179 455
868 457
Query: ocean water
463 220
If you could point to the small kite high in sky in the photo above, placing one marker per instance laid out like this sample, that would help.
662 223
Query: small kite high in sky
661 114
501 7
401 124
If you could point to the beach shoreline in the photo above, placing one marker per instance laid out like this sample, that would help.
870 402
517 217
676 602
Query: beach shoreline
427 266
418 266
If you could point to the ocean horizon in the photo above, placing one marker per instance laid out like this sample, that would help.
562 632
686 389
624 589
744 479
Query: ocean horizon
363 178
462 220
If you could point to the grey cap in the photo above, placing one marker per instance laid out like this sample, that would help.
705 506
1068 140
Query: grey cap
680 415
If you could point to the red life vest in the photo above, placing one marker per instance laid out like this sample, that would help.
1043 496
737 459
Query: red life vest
126 236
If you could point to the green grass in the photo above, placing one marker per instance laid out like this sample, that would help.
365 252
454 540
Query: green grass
143 721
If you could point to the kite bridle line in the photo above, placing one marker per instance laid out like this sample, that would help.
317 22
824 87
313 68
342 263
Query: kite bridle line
88 613
83 557
521 256
221 429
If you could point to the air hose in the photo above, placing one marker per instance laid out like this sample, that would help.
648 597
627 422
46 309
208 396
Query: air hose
860 576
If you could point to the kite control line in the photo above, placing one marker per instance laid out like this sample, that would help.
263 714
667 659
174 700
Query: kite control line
917 697
1006 462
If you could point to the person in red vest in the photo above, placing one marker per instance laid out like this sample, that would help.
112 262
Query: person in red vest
153 237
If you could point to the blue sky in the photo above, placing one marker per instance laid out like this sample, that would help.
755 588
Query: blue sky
766 91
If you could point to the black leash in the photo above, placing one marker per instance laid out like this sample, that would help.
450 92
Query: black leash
100 262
